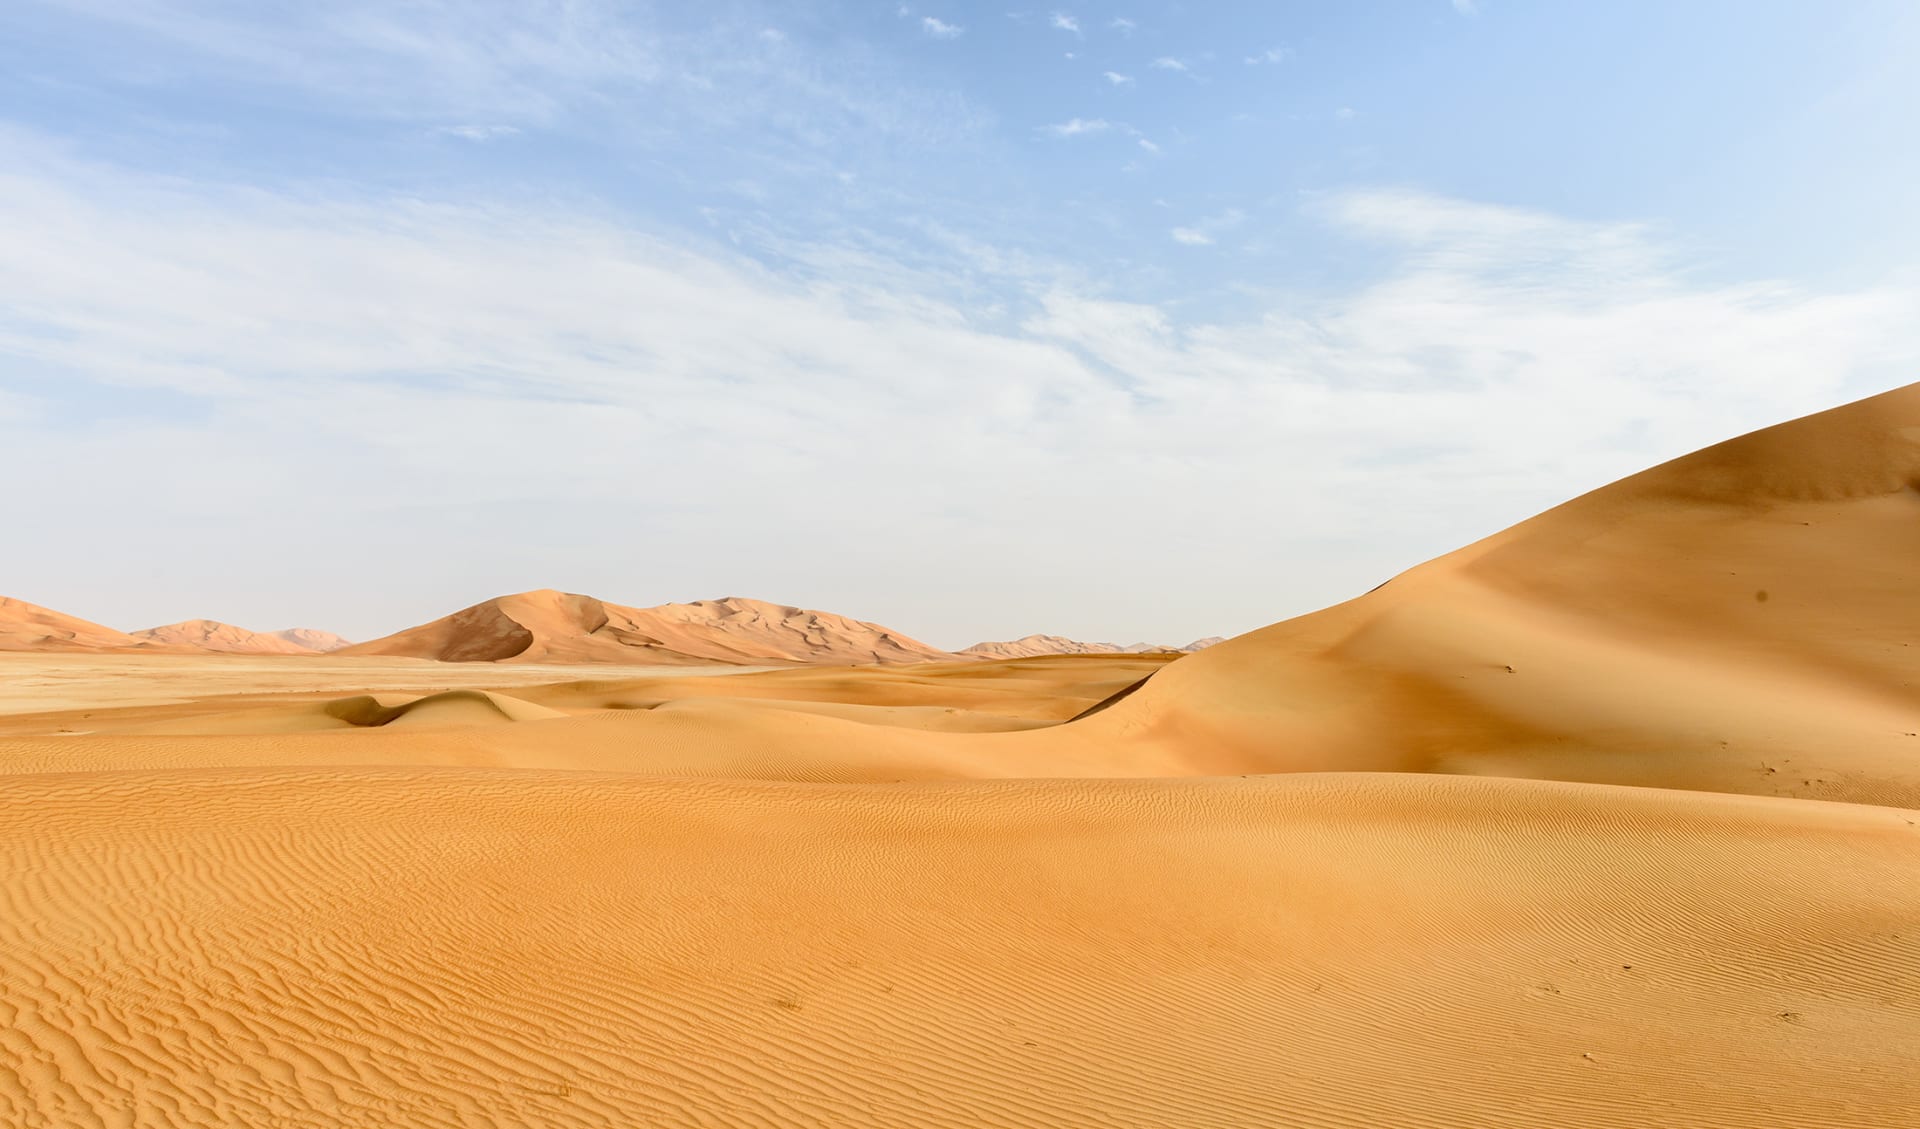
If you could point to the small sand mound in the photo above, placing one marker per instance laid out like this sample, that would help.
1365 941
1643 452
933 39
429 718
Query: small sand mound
454 707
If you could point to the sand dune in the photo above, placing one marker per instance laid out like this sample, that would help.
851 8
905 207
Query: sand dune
221 638
1033 646
1543 832
549 626
312 641
30 627
1741 620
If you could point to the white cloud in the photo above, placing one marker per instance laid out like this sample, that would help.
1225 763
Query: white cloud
1345 114
940 29
1192 237
1064 22
478 132
1123 25
1078 127
1168 63
1149 146
442 400
1270 55
1466 7
1118 79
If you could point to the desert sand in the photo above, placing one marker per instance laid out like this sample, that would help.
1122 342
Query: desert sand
1606 820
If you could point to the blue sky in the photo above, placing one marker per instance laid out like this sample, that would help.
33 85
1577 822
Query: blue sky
1126 321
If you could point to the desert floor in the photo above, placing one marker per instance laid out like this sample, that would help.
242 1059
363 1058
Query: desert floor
325 892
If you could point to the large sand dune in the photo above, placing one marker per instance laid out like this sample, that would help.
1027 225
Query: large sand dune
1542 833
549 626
1743 619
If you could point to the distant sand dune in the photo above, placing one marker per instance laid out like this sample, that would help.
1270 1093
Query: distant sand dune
223 638
1032 646
549 626
30 627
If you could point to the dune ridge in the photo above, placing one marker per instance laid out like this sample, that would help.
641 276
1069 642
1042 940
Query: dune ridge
312 640
30 627
222 638
1033 646
550 626
1739 619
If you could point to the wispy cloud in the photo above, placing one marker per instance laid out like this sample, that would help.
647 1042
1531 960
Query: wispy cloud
580 64
1205 232
1123 25
1063 22
478 132
1270 55
1168 63
1118 79
940 29
1466 7
1345 114
1149 146
1078 127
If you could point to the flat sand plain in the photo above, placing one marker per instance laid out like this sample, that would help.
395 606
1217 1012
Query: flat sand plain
1608 820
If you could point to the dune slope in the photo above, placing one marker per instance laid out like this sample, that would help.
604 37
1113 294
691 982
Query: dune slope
30 627
1741 619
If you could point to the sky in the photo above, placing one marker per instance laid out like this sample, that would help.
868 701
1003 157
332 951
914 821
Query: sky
1123 321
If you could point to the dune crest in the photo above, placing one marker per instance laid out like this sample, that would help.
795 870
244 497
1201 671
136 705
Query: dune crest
1740 619
30 627
220 638
312 641
1033 646
550 626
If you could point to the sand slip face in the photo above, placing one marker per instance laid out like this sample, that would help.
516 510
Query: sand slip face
462 948
1740 620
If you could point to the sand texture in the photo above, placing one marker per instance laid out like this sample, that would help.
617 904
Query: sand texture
1607 820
